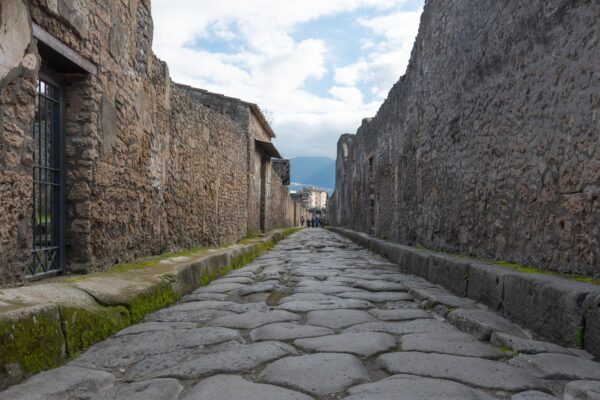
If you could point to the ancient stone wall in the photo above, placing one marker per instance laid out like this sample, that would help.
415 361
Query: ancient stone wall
489 144
149 167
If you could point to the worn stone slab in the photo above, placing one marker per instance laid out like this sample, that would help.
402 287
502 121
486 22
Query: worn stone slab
527 346
433 297
360 344
228 387
477 372
237 358
559 366
220 287
533 395
155 389
582 390
305 306
482 324
319 374
406 387
380 286
306 297
403 328
204 297
399 314
253 319
125 350
198 315
338 319
60 383
376 297
155 326
287 331
459 344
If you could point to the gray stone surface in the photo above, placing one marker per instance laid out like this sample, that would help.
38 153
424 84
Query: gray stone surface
319 374
235 359
406 387
228 387
582 390
360 344
493 375
402 328
482 323
533 395
305 306
526 346
125 350
459 344
276 354
155 326
253 319
559 366
376 297
287 331
337 319
154 389
61 383
399 314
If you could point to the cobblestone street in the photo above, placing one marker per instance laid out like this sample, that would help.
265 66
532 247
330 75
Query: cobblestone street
319 317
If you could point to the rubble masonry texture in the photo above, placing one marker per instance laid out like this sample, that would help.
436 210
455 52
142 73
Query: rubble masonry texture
489 145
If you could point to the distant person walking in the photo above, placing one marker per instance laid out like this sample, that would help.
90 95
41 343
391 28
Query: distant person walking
302 221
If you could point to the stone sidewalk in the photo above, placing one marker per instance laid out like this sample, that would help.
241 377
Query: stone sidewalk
320 317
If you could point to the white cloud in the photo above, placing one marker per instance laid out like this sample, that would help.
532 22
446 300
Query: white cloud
269 67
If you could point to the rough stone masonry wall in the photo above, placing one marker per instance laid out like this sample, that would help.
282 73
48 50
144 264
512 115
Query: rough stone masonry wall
490 143
149 168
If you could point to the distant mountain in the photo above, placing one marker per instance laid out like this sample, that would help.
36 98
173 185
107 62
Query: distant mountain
313 171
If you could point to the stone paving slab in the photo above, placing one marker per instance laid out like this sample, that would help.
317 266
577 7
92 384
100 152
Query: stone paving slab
294 324
477 372
406 387
318 374
229 387
360 344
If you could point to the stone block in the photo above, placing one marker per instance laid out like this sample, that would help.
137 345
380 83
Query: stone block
551 307
591 334
450 272
486 284
415 262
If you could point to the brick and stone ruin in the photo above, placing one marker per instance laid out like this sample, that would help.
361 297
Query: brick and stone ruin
463 263
113 159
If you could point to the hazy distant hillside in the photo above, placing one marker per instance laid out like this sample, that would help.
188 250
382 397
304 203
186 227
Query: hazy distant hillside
313 171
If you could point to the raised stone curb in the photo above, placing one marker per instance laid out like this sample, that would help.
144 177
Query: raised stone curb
43 325
556 309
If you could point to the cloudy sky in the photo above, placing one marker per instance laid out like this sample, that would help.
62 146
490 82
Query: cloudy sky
318 67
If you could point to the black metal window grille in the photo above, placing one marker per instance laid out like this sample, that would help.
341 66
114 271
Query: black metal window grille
47 246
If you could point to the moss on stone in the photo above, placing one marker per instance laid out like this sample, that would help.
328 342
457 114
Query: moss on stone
158 297
35 343
82 327
580 337
239 261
